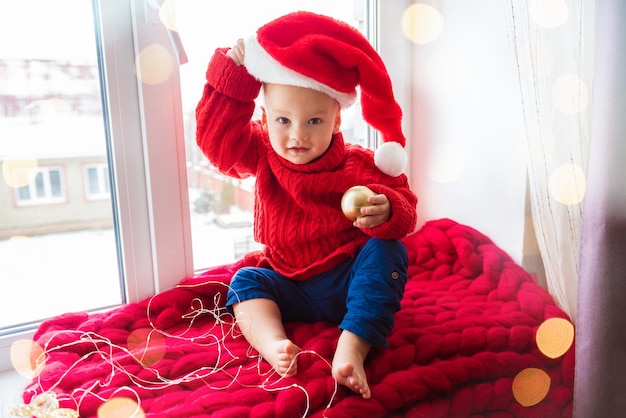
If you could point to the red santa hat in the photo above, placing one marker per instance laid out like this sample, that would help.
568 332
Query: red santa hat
309 50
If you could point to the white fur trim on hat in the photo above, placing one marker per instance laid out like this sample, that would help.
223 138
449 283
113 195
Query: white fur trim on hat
391 158
266 69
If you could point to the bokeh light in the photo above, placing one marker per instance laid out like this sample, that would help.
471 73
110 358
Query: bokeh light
445 70
422 24
121 407
554 337
154 64
446 163
548 13
570 94
19 171
147 345
27 358
568 184
531 386
167 15
16 238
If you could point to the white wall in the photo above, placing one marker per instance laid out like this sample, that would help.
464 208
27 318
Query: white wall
463 115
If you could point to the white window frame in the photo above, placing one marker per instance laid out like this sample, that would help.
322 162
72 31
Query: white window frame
102 179
34 199
148 158
383 17
147 150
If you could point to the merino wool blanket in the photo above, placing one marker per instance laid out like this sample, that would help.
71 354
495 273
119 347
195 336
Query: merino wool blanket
465 344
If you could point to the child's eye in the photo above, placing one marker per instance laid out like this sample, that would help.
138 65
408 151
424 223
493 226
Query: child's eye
282 120
315 121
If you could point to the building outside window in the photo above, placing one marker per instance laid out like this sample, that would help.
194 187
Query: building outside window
44 186
97 181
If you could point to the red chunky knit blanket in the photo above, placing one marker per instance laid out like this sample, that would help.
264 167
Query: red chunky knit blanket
463 340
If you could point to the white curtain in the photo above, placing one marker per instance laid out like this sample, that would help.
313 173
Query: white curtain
498 92
552 41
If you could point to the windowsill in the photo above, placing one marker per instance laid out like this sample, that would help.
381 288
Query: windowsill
11 386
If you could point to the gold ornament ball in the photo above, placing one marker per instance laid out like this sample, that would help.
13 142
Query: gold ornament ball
353 200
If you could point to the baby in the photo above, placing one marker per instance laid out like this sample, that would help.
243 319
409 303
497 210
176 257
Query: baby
316 265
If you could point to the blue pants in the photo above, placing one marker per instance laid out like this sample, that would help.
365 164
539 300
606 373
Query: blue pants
362 294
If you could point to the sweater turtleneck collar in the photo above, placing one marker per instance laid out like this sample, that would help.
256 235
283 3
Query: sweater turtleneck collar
329 161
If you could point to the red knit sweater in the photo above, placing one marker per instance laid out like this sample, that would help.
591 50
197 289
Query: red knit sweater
298 213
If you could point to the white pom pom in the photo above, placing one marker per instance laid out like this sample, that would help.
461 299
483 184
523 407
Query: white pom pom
391 158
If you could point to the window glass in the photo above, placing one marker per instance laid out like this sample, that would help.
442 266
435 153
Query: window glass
45 188
57 246
97 182
221 207
55 183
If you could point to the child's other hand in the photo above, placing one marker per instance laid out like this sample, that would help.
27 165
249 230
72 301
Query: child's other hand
237 51
375 215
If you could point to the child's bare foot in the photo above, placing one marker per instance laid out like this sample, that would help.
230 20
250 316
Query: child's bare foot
282 357
352 377
348 369
260 322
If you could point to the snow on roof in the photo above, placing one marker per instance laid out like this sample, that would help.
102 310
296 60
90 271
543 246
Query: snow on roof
44 29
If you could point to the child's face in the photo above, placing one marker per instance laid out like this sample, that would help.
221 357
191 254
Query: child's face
300 122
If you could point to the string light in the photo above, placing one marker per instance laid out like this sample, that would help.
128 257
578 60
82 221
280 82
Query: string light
126 398
45 405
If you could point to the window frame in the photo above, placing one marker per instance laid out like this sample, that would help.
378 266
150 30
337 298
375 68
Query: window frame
48 198
147 151
147 158
102 179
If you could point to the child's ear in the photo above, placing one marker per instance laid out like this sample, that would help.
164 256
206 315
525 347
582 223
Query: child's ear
337 126
263 118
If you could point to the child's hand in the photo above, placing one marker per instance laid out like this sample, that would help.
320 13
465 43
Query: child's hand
237 51
375 215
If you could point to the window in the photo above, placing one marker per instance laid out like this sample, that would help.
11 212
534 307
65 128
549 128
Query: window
44 187
58 251
97 182
138 123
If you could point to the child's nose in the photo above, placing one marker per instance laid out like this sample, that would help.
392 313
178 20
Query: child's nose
299 132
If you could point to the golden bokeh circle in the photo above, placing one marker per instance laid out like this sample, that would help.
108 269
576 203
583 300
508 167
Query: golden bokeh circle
121 407
154 64
568 184
27 358
554 337
147 345
531 386
446 163
570 94
167 15
19 171
549 13
422 23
